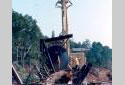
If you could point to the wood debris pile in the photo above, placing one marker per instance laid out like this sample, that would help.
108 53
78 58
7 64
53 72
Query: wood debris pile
100 76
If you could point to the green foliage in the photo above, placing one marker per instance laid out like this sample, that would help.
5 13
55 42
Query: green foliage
85 44
99 55
25 37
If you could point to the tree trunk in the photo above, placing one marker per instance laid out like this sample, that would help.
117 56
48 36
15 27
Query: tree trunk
17 54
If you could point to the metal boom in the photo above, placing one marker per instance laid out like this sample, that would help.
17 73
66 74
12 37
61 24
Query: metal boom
64 5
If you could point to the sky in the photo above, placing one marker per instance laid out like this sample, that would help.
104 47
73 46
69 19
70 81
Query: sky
87 19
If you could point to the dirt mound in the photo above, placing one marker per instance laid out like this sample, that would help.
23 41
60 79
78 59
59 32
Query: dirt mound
99 75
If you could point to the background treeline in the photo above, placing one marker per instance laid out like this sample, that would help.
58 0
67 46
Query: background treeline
26 37
25 43
96 53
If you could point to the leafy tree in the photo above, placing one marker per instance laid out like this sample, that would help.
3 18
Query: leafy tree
107 56
73 44
99 55
86 44
25 37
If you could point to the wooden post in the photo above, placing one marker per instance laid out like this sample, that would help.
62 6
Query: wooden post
63 5
65 24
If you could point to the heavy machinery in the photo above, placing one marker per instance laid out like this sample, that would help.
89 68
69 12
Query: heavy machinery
56 54
53 50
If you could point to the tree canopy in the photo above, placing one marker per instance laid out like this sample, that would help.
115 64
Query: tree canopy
96 53
25 37
85 44
99 55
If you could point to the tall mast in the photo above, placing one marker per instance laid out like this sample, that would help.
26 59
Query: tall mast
64 5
